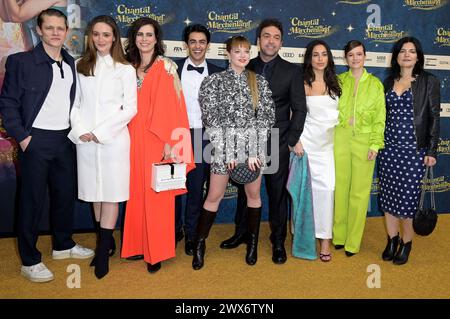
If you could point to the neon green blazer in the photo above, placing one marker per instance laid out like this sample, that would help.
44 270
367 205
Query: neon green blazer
368 107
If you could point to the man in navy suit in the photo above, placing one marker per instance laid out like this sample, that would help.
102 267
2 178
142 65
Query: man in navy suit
35 102
192 70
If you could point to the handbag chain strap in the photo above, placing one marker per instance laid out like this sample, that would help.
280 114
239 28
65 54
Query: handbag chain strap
428 175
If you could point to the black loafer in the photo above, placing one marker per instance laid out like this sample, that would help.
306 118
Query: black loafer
153 268
279 255
234 241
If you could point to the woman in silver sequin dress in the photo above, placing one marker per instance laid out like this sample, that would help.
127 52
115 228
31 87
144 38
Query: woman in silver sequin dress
237 112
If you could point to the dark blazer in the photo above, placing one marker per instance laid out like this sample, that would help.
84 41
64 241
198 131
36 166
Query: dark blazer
28 78
426 108
288 93
212 68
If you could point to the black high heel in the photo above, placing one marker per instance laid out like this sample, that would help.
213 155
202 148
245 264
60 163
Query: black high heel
102 257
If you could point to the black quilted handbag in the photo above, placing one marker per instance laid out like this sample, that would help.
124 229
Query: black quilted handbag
426 218
242 174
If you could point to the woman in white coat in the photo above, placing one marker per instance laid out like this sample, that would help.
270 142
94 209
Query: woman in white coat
105 103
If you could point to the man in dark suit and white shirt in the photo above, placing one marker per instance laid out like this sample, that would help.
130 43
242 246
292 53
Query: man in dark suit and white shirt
35 102
286 83
192 70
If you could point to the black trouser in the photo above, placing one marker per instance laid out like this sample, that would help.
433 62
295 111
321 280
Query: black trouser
49 160
195 196
276 191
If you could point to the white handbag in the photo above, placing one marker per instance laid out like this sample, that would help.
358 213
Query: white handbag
168 176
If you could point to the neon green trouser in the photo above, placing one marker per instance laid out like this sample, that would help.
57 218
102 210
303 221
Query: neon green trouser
354 174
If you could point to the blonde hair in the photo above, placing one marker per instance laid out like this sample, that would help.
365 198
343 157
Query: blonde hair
238 41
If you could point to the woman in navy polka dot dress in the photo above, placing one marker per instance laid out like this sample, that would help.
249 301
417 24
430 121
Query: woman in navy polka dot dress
411 137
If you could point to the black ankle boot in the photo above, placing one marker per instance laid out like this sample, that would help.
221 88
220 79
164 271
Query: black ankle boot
102 253
205 222
401 257
254 219
112 250
391 248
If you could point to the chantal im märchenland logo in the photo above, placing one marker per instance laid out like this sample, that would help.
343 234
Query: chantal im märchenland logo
424 4
442 37
384 33
128 14
312 28
438 184
444 147
229 23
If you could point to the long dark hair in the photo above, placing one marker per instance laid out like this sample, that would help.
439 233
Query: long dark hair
132 51
86 65
418 67
329 74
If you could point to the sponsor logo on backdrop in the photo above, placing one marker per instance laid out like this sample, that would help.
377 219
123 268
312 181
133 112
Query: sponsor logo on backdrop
384 33
438 184
229 23
312 28
444 147
128 14
354 1
442 37
445 109
424 4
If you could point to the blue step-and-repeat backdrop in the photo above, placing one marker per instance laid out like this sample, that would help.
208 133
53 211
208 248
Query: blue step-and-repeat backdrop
377 23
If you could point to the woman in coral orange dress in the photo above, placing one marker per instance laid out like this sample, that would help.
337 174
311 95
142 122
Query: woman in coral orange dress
149 218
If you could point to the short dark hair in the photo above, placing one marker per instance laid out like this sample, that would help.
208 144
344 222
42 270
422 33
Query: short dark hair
196 28
53 13
418 67
271 22
353 44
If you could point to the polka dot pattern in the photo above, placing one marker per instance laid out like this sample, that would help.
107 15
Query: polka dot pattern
401 167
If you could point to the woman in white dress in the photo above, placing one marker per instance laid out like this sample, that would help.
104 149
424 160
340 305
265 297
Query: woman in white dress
105 103
322 94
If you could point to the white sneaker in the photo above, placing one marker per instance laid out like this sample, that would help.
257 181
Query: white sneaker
37 273
77 252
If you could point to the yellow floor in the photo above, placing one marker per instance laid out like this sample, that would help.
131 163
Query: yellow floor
226 275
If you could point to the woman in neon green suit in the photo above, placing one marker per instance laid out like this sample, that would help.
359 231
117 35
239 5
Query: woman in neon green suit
358 137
